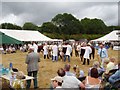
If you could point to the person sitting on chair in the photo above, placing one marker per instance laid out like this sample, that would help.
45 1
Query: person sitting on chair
93 81
115 77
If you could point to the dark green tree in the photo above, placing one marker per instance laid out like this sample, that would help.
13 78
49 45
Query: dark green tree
67 23
94 26
10 26
49 27
7 26
30 26
16 27
111 28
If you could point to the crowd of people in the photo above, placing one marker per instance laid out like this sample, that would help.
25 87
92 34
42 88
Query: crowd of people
8 49
95 80
104 69
54 51
63 51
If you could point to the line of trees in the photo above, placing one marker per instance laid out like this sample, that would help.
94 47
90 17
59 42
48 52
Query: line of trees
67 26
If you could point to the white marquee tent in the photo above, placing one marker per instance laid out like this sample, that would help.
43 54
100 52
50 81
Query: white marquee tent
25 35
112 36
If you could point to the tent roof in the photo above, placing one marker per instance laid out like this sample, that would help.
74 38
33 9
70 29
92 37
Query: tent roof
4 39
25 35
59 40
112 36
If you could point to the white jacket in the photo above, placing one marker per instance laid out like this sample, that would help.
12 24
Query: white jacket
55 50
69 50
87 53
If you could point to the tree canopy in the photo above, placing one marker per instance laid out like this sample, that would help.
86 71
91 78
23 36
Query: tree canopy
94 26
30 26
49 27
10 26
67 26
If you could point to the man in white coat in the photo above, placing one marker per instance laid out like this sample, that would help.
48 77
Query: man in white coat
45 51
35 47
68 52
87 53
55 52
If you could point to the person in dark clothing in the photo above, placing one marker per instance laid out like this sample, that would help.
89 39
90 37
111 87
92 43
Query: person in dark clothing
76 51
64 50
82 53
93 52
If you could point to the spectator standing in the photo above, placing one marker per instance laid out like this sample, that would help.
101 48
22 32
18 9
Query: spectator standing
102 53
64 48
87 53
55 52
82 50
61 54
35 47
45 51
93 52
68 52
79 49
76 51
32 60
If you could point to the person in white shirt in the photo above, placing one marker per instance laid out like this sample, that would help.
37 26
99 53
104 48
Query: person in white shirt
60 48
21 48
76 50
87 53
50 52
57 83
29 45
13 50
35 47
55 52
68 52
79 49
25 47
45 49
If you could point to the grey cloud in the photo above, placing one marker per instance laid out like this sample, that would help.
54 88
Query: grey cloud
39 12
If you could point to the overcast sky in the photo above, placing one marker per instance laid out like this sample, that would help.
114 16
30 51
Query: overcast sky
39 12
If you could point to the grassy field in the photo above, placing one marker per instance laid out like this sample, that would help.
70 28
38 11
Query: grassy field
48 68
